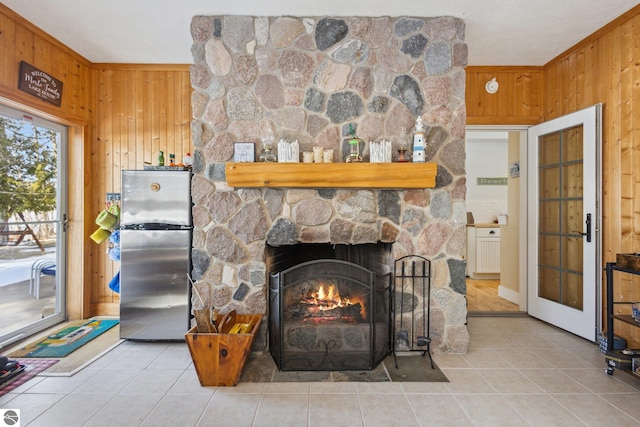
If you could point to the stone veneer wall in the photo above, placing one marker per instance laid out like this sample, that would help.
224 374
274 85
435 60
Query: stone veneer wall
311 79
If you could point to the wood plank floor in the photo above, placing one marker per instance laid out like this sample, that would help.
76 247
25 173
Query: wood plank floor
482 295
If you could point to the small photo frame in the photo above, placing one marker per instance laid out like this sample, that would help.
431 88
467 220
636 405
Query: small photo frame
244 152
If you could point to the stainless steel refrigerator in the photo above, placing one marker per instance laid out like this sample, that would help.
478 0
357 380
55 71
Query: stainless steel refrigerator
155 254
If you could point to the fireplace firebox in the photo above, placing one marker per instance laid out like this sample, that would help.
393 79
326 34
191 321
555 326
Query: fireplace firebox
330 313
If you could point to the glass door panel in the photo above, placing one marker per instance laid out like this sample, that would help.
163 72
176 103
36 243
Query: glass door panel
563 175
32 243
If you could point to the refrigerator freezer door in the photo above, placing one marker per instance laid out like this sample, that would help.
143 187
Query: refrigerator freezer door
154 286
159 197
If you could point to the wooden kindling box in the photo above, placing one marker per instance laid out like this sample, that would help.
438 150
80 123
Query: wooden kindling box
220 357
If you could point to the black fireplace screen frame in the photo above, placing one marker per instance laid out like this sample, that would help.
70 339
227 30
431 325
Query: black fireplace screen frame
323 358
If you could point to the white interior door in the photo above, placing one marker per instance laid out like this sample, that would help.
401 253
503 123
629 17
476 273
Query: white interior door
564 279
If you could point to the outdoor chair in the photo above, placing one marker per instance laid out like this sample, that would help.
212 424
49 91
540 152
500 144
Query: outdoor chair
38 269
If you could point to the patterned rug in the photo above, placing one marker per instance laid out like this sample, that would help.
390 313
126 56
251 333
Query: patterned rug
32 368
66 340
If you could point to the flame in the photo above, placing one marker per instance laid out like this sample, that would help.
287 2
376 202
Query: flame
327 299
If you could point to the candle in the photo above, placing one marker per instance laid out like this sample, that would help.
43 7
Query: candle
318 154
328 156
307 157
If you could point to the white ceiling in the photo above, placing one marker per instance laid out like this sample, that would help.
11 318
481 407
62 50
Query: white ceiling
498 32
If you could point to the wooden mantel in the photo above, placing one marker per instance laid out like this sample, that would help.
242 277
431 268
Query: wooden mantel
332 175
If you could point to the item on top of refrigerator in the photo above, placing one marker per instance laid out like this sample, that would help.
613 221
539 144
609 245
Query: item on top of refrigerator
187 160
172 159
161 159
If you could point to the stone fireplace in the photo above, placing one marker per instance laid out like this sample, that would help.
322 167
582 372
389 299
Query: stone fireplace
329 306
312 80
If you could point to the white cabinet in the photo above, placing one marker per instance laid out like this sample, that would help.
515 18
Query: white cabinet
483 252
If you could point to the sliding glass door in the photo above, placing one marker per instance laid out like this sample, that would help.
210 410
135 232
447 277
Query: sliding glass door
32 224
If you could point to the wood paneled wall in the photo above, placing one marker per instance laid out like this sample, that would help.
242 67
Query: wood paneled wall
517 102
605 67
22 41
140 110
119 117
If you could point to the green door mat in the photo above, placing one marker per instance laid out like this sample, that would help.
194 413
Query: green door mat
66 340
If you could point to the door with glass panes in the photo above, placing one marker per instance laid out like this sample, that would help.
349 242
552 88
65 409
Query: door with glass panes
563 227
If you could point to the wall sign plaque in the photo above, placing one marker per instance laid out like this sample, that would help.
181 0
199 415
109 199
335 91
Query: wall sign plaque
492 181
40 84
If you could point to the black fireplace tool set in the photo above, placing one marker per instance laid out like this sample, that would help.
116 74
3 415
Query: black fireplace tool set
411 308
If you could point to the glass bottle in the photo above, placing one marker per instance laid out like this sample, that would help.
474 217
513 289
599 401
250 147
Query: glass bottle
403 144
161 159
354 148
268 154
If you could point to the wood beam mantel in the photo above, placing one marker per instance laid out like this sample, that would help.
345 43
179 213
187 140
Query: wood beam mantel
332 175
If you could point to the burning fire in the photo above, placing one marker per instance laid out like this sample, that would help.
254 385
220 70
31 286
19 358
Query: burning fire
327 304
329 299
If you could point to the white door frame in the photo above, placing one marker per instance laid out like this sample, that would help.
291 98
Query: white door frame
545 309
524 215
60 313
522 227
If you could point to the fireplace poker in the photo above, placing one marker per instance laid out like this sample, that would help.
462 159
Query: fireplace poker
423 340
403 335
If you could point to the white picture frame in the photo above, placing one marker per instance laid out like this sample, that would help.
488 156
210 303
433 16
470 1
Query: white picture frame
244 152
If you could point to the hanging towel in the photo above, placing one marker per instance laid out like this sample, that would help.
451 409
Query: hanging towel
114 284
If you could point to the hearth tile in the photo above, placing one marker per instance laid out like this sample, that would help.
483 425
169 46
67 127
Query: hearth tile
259 368
413 368
376 375
301 376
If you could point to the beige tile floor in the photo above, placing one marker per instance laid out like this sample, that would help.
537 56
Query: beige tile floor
517 372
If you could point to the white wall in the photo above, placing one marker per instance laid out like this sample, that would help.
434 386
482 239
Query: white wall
487 157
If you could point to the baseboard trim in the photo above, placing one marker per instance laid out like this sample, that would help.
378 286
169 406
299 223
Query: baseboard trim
509 294
497 314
